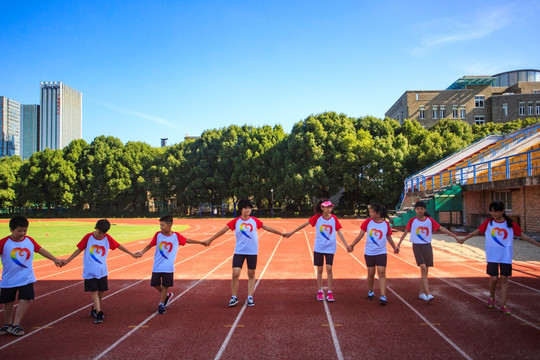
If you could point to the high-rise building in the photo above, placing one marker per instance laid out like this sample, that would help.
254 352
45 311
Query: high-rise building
61 115
10 123
30 125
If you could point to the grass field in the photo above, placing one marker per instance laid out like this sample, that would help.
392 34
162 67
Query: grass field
60 238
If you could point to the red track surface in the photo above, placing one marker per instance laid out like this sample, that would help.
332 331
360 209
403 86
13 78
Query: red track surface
287 321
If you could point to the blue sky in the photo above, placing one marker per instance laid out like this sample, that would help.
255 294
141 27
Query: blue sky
153 69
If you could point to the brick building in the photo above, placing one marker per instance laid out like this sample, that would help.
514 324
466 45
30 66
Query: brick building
475 99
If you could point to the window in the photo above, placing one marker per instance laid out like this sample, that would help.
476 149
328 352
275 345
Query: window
422 113
435 112
442 112
479 101
454 113
537 108
521 109
479 120
462 113
536 91
506 198
530 109
505 109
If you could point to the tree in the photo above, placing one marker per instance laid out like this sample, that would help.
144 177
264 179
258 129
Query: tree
9 172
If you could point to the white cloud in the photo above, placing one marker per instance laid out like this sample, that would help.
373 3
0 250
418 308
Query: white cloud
155 119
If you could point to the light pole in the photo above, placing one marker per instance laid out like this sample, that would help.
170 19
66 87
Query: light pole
272 204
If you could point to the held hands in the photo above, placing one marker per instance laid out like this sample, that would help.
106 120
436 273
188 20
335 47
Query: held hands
60 262
350 248
396 250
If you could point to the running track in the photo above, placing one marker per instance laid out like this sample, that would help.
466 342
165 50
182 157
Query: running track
286 322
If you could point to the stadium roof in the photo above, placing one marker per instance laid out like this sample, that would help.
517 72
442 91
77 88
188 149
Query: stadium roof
471 80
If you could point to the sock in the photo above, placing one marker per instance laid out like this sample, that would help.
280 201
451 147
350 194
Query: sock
250 297
234 296
161 304
329 291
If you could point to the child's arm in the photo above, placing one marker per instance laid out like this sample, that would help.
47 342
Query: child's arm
216 235
467 237
358 238
49 256
272 230
349 247
191 241
401 239
448 232
391 242
124 249
73 256
529 239
143 251
297 229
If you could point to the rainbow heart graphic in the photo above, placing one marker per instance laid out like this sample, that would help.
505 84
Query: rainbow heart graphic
21 252
421 230
498 232
244 227
95 250
165 246
373 234
325 228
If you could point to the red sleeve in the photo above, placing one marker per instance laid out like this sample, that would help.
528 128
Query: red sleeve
181 238
364 225
154 240
517 229
338 224
37 247
434 225
409 224
112 243
82 244
258 222
313 219
389 231
232 224
484 226
2 243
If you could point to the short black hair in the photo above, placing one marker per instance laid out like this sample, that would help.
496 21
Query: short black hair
244 203
420 204
167 219
103 225
18 221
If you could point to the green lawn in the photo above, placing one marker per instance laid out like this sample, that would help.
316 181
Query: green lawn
60 238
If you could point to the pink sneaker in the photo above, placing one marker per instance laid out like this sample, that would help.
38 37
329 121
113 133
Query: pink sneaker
320 295
505 310
491 303
330 297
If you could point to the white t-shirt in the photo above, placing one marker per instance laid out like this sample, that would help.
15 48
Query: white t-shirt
325 233
376 233
422 230
247 241
166 249
17 261
499 240
95 255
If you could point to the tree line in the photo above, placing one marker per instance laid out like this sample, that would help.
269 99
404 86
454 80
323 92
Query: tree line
364 159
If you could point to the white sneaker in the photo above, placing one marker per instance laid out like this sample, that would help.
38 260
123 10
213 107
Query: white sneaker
429 297
423 297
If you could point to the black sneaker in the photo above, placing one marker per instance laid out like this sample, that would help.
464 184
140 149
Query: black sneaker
99 318
370 295
250 302
382 300
5 329
161 309
169 297
93 313
233 301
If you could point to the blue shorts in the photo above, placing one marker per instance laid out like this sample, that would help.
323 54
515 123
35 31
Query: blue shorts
26 292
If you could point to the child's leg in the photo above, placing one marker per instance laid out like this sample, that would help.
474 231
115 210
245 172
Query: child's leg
21 310
251 281
8 312
96 299
164 292
370 277
493 285
504 289
235 280
319 276
424 288
329 276
381 272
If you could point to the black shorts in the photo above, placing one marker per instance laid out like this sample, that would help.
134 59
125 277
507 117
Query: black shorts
492 269
376 260
318 258
26 292
423 253
238 261
94 284
162 279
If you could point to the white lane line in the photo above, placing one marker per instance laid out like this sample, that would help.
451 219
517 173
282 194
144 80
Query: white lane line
239 316
331 326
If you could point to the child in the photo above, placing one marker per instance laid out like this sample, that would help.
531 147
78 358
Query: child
499 231
379 232
17 252
421 228
326 225
247 247
166 242
96 246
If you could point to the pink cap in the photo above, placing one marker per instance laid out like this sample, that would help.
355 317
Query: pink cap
327 203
